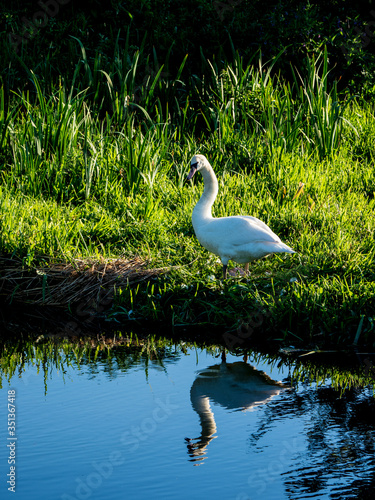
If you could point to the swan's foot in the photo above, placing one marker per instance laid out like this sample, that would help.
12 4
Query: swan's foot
238 271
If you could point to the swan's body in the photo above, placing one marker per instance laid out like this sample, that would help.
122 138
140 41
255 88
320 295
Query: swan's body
240 238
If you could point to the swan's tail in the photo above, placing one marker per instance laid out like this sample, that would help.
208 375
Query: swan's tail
287 249
281 248
263 248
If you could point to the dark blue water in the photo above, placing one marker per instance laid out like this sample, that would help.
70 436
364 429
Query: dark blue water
192 428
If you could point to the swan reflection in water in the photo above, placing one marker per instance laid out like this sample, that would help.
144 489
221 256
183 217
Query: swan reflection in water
234 386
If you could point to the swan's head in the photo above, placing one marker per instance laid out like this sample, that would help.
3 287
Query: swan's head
197 163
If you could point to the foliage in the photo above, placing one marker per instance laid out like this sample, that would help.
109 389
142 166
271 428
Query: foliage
186 27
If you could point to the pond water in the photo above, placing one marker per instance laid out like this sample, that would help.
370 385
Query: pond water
187 426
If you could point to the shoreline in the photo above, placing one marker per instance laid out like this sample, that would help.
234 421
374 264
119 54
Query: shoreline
124 294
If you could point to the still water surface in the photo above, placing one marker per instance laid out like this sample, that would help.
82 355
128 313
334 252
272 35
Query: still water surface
189 428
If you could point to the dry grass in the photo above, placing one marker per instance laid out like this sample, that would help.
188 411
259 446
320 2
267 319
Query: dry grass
82 281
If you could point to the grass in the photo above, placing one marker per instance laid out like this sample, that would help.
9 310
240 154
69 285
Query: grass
95 168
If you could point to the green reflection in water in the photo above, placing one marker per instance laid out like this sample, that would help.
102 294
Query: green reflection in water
120 352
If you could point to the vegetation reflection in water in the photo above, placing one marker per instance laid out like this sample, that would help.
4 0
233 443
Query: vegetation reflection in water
118 352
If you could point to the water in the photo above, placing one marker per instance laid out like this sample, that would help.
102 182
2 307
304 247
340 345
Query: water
184 428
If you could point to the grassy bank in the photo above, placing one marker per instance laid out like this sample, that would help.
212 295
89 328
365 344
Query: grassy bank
95 168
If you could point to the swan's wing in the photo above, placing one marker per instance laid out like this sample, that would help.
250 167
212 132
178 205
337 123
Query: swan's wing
258 223
241 239
238 231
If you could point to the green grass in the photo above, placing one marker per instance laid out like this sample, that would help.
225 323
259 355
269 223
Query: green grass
96 167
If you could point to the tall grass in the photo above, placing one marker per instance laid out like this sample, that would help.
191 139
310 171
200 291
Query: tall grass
324 110
119 124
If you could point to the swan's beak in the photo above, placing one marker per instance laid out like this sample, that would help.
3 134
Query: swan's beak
193 169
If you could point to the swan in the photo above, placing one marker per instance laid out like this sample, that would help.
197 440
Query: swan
240 238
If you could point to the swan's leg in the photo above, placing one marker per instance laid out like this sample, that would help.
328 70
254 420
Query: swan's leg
225 271
247 268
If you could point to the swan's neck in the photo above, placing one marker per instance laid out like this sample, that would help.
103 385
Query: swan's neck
202 209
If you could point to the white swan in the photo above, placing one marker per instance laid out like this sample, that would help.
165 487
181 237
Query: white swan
240 238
